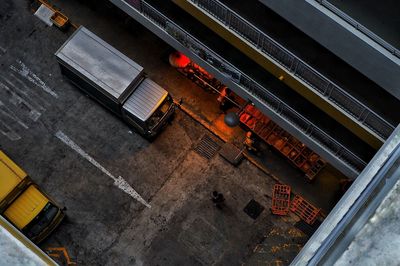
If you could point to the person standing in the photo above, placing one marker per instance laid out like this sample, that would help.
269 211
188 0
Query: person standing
224 101
249 141
218 199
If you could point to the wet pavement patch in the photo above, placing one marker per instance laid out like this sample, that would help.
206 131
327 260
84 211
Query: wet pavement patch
253 209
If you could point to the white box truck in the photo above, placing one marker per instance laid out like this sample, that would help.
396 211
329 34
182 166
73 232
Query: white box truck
115 81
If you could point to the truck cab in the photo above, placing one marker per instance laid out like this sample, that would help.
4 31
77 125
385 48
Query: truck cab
149 107
24 204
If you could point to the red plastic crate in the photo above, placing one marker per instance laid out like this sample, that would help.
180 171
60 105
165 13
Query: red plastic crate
305 210
280 199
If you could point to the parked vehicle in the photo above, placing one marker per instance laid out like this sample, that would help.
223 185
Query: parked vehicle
24 204
115 81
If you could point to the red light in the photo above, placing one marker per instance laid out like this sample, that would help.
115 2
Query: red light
179 60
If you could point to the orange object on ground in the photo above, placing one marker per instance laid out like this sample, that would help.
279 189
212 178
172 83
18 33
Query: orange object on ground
305 210
178 59
280 199
59 19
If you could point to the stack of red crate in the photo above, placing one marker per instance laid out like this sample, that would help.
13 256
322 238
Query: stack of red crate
280 199
281 204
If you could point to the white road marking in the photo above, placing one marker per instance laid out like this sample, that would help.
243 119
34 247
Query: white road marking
15 99
25 72
10 133
3 50
118 182
12 115
28 89
33 102
13 85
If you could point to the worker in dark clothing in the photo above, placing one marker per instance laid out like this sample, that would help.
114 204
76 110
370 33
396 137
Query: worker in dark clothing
224 99
218 199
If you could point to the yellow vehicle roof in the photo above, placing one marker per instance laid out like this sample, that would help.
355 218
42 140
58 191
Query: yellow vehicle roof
10 175
26 207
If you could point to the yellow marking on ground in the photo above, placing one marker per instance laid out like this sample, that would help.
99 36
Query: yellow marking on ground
284 246
295 232
274 232
278 262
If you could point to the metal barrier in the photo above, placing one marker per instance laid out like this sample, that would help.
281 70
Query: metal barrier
360 27
251 86
328 90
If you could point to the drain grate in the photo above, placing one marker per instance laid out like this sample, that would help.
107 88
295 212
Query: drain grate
207 147
253 209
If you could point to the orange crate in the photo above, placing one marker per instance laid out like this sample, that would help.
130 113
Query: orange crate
280 199
305 210
60 20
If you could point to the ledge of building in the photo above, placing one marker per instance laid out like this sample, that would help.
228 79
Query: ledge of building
341 38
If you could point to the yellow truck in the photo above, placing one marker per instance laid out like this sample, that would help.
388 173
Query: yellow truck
24 204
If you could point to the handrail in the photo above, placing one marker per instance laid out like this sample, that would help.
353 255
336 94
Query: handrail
360 27
248 84
325 87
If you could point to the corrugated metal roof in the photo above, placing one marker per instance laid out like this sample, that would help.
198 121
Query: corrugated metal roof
99 62
145 99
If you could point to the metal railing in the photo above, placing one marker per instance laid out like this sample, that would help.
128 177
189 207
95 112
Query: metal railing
252 87
294 65
359 27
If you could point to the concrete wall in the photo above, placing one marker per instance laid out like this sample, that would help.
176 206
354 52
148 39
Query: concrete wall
17 249
355 209
342 39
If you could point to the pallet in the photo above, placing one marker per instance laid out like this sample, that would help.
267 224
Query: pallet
280 199
305 210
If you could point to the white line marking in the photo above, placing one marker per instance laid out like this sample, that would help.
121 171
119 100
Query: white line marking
12 115
33 102
11 134
28 89
32 77
15 99
3 50
13 85
118 182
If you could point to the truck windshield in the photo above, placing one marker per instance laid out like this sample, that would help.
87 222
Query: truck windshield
159 113
40 222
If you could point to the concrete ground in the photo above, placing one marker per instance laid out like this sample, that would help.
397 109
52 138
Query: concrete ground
104 225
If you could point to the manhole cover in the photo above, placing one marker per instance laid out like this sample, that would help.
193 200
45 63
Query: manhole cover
253 209
207 147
